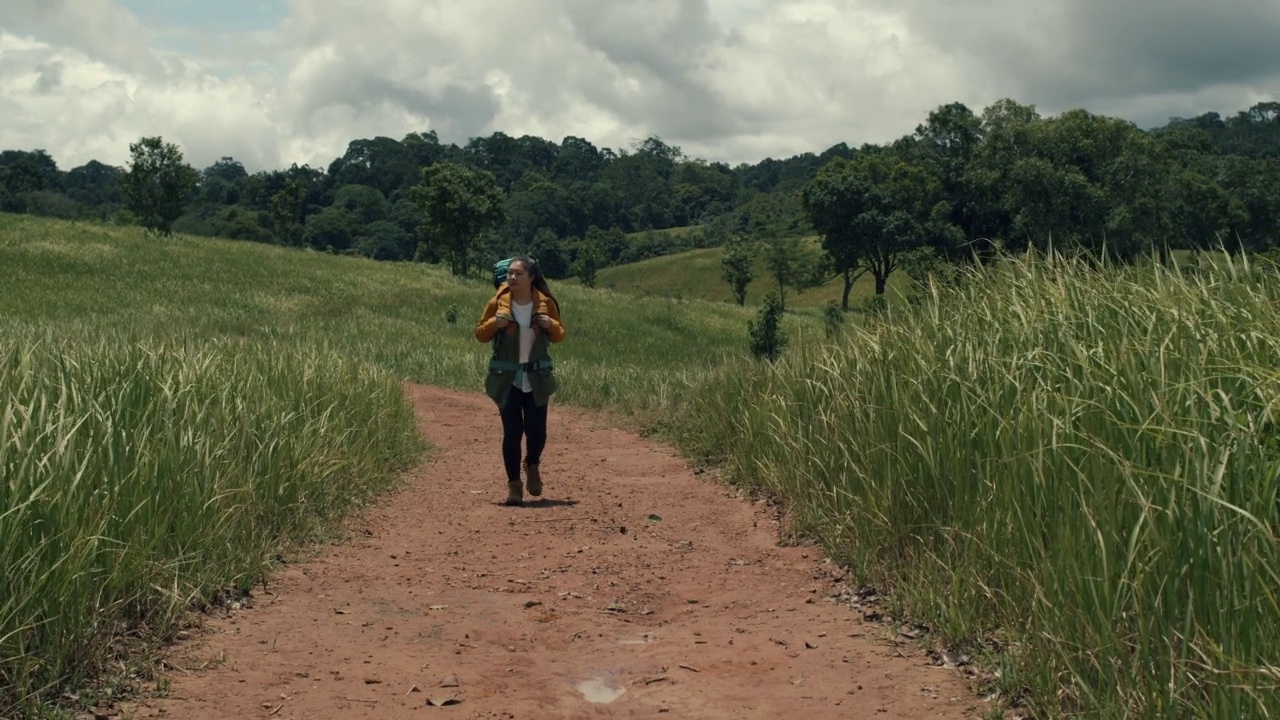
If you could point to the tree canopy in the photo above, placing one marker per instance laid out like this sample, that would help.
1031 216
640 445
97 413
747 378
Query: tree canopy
965 183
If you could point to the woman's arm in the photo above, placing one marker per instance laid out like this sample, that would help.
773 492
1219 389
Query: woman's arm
487 327
555 328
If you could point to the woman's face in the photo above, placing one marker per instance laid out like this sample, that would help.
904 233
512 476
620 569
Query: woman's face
518 277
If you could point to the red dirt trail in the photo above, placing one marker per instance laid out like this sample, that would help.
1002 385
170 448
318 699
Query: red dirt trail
578 607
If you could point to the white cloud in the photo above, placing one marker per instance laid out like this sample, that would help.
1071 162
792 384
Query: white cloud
812 74
89 109
733 80
99 29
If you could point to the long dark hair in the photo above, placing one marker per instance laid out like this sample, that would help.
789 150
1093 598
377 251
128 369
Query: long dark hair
538 280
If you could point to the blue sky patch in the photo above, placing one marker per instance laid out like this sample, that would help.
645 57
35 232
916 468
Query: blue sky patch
223 16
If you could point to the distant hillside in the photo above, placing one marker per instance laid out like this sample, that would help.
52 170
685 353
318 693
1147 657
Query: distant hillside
695 275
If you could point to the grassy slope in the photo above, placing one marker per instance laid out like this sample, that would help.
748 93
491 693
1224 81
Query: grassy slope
90 278
695 274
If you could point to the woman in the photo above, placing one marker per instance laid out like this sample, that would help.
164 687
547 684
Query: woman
521 320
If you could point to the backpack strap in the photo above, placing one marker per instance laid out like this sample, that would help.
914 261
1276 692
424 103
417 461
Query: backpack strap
520 369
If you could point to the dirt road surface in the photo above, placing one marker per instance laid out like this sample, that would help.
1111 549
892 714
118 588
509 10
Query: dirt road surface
638 588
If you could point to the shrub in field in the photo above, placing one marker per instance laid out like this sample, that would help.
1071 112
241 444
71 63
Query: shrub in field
767 337
832 319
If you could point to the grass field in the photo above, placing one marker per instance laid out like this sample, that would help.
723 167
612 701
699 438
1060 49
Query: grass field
695 275
1070 474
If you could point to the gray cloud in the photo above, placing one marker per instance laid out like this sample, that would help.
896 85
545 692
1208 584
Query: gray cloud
732 80
666 48
49 77
100 29
452 109
1103 54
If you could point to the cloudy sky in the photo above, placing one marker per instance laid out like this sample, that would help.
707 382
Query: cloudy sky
274 82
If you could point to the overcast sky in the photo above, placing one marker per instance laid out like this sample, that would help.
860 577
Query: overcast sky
274 82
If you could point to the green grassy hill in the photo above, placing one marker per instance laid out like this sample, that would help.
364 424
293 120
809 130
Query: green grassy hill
695 275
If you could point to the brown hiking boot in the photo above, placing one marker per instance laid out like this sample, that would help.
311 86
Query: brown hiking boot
515 493
535 479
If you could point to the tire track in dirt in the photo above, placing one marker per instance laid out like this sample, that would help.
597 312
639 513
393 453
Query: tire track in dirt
579 607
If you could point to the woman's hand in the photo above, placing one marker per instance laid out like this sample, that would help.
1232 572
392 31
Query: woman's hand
543 322
503 323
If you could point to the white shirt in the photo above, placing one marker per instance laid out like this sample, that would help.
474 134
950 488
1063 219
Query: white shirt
524 319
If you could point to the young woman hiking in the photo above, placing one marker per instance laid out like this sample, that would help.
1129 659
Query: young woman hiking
521 321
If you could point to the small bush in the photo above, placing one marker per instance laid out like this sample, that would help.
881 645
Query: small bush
832 318
767 338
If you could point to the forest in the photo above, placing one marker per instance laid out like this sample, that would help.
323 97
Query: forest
963 183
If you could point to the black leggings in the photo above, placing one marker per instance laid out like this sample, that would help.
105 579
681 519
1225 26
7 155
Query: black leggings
522 416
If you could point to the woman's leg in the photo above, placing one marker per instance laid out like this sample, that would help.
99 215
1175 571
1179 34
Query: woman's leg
513 428
535 429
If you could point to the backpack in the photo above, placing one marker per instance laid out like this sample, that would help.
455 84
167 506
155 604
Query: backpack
500 272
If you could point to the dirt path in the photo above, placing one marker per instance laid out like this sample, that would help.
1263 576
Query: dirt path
581 607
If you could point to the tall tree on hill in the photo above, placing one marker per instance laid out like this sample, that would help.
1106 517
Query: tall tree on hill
458 204
28 172
95 184
828 200
590 257
1007 127
792 263
286 212
735 266
380 162
158 183
872 209
946 145
1256 185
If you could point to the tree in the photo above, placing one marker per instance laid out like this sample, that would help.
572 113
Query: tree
366 203
1197 213
383 240
158 183
332 229
946 145
548 248
610 244
1256 184
1089 182
827 200
458 204
381 162
577 161
875 207
792 264
535 204
1006 132
735 267
767 338
286 212
590 258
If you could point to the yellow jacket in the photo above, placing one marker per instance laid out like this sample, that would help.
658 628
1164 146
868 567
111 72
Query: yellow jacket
500 307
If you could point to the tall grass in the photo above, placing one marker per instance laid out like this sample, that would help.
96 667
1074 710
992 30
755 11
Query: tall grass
139 480
1080 468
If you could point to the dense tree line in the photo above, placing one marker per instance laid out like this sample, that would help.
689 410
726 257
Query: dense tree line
962 186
